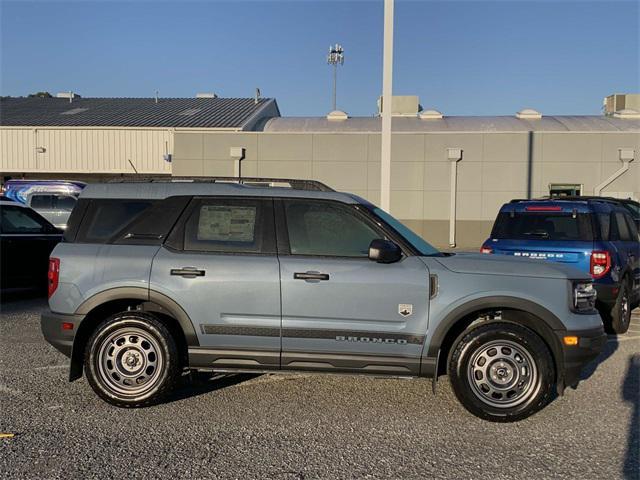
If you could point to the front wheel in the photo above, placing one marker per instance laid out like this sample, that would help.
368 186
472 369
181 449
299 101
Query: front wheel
501 372
131 360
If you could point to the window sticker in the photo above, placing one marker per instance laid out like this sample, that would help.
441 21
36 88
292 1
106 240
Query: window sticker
226 223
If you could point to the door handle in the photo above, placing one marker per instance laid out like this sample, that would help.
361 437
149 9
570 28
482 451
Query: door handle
187 272
310 276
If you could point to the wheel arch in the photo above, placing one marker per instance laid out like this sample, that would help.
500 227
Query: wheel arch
114 300
513 310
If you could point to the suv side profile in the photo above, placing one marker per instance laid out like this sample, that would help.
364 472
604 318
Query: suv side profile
156 278
597 235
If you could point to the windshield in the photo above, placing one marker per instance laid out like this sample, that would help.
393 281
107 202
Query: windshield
413 238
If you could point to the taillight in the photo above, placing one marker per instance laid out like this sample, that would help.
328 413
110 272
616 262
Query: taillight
53 275
600 264
486 249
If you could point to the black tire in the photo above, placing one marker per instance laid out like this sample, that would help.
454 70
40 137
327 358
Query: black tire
131 360
523 390
618 320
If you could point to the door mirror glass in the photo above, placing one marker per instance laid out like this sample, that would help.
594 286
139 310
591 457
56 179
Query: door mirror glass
384 251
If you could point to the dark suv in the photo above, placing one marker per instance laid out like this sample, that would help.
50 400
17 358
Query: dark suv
597 235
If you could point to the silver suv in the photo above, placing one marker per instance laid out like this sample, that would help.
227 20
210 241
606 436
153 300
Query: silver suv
266 275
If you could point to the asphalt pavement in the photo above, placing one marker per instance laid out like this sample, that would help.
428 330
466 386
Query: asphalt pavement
305 426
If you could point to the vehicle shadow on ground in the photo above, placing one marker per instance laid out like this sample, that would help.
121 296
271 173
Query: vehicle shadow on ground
199 383
16 301
631 394
608 350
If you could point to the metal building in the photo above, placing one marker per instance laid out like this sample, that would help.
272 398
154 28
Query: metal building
449 174
98 137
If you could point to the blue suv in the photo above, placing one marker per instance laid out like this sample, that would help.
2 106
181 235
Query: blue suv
596 235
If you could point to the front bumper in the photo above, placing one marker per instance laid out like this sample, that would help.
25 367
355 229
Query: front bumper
590 343
61 339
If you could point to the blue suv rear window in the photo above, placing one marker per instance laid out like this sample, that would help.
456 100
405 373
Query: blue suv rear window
544 225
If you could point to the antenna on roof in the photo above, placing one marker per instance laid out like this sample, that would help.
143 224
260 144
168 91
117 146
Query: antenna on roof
257 99
70 96
157 92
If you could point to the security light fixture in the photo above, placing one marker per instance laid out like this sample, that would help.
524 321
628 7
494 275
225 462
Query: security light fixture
335 58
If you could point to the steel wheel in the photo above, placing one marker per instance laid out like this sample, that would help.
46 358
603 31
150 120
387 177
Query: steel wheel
502 374
129 361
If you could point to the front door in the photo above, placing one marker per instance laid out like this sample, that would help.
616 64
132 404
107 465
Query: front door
340 310
220 266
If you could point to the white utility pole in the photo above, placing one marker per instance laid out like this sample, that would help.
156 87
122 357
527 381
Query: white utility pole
387 92
335 58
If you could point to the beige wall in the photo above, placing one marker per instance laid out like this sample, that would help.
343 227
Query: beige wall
494 169
85 150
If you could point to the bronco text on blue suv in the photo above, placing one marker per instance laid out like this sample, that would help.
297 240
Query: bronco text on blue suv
597 235
154 279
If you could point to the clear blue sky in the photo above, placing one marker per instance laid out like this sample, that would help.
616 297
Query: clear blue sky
464 58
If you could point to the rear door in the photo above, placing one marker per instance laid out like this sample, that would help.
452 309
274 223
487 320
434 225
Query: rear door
546 232
220 265
340 310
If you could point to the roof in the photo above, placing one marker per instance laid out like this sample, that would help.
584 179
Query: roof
160 190
587 123
134 112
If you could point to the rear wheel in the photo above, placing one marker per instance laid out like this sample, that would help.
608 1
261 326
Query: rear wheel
620 317
131 360
501 372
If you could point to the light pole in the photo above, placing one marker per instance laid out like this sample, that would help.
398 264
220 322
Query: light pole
335 58
387 92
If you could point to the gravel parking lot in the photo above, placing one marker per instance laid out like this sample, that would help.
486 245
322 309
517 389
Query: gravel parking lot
304 426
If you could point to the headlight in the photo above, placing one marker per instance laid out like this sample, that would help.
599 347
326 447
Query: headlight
584 296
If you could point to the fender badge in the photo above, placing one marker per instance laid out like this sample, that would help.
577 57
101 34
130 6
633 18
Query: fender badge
405 309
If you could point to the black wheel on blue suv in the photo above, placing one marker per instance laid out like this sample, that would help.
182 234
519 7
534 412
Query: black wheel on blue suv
131 360
501 371
617 319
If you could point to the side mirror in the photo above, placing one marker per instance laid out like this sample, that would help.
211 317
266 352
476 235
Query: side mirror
384 251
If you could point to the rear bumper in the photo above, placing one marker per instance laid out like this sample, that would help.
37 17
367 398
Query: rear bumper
51 325
591 342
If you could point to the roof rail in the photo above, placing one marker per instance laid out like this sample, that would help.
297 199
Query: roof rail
571 198
293 183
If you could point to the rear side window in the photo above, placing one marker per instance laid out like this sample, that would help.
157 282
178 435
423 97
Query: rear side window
558 226
621 231
52 202
105 218
41 202
230 226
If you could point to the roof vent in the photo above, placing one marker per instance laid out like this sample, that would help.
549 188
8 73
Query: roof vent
67 95
206 95
529 114
430 115
627 113
337 115
189 112
73 111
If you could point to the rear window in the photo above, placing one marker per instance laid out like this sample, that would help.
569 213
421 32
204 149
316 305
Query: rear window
105 218
52 202
543 226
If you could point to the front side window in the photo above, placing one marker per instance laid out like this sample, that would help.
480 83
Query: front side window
19 220
228 226
327 229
